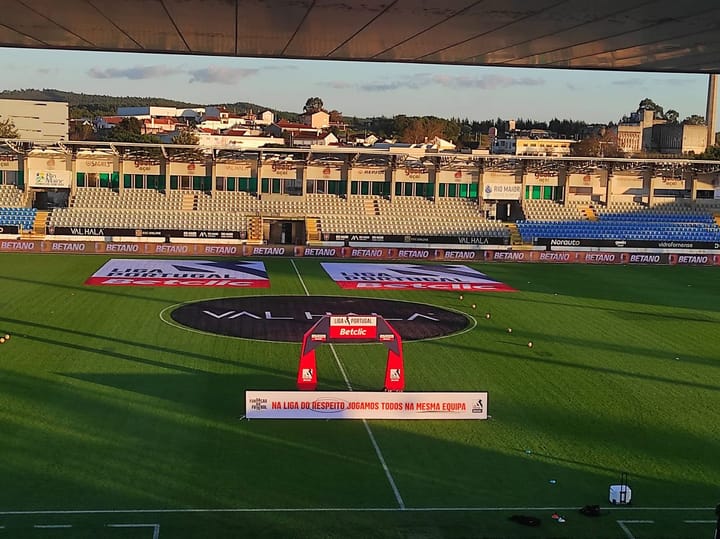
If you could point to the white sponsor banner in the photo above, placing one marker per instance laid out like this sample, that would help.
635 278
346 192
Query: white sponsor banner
49 178
102 164
542 178
140 166
279 169
146 272
235 170
323 172
412 175
502 191
188 169
365 405
461 175
8 161
369 275
668 183
373 174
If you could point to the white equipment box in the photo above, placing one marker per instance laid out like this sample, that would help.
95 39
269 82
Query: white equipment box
620 494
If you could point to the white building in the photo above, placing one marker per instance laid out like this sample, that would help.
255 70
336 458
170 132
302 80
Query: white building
37 120
142 113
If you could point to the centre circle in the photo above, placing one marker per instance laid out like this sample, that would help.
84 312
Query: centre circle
288 318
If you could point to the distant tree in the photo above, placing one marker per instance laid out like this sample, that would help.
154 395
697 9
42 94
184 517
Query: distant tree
185 137
7 129
313 105
672 116
712 153
423 130
336 116
79 130
131 125
127 130
602 144
695 119
649 104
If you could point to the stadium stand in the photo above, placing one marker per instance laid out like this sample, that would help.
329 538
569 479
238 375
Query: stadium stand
12 212
94 207
677 221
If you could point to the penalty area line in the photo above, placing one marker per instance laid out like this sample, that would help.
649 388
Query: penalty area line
155 527
627 531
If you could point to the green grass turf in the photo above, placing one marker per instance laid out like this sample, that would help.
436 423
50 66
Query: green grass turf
103 406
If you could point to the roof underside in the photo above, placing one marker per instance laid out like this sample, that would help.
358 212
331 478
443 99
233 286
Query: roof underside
645 35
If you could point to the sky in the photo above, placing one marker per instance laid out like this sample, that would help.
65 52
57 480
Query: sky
357 88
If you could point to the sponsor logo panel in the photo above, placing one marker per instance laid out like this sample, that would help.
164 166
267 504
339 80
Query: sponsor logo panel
411 277
21 246
365 404
141 272
353 327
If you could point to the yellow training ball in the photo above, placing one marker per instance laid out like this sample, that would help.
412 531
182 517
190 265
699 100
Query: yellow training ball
461 297
487 315
530 344
509 330
2 340
7 336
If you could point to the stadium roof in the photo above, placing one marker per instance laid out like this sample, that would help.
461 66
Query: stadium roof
646 35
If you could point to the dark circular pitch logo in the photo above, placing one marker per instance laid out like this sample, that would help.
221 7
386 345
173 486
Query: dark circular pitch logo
287 318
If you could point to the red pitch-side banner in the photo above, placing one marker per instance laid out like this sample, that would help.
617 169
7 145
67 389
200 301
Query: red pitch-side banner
365 405
208 273
383 276
353 327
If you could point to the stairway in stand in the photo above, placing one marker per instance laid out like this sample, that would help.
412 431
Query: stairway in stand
189 201
515 237
255 229
371 207
716 216
40 225
312 228
589 213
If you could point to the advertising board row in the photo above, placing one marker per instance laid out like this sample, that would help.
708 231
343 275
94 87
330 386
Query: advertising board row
369 253
148 233
365 405
564 243
407 238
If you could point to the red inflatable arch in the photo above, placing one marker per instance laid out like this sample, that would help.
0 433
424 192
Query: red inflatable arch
346 328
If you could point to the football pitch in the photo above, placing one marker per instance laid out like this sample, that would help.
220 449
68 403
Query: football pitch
116 422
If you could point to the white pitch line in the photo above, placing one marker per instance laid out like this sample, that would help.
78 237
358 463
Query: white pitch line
699 521
51 526
326 510
629 534
155 527
376 446
302 282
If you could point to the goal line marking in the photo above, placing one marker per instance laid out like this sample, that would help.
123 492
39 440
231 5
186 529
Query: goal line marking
326 510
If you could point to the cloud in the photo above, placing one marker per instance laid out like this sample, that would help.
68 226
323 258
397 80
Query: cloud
221 75
423 80
487 82
339 84
629 82
133 73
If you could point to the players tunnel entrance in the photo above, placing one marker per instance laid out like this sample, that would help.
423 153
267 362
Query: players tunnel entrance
284 231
